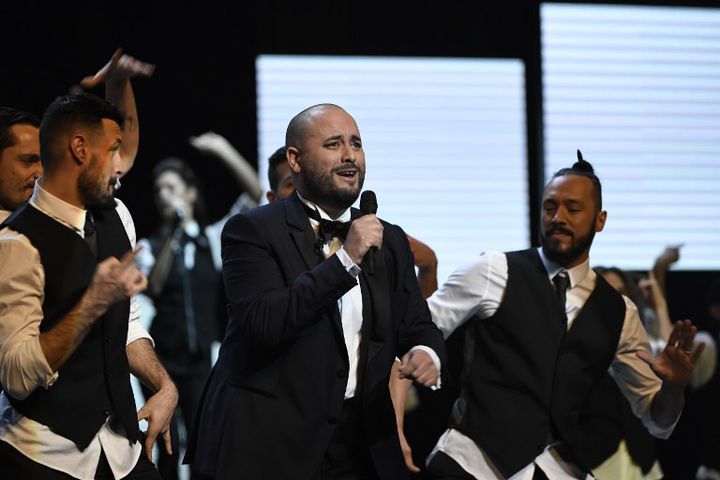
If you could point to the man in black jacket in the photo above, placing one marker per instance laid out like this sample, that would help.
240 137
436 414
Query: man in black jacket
300 389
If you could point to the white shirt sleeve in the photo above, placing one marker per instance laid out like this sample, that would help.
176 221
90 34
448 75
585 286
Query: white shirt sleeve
213 232
477 288
136 330
23 366
634 377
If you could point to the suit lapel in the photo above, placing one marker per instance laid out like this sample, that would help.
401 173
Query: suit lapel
301 231
305 241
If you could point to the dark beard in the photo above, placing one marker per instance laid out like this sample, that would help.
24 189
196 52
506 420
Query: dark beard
92 194
575 251
319 188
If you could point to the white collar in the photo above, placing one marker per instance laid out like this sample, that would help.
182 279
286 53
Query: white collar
60 210
576 274
343 217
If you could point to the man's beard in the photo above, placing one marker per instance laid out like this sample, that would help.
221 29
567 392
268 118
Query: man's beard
92 189
577 248
320 187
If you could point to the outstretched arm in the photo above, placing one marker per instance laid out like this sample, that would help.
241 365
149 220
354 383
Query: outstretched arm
116 75
674 366
219 146
426 262
663 262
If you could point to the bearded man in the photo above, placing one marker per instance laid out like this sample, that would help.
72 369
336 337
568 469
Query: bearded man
300 388
69 335
544 329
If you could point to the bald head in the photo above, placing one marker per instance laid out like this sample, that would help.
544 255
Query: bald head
297 130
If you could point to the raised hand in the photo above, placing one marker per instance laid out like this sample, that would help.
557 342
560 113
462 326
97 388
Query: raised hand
675 364
365 232
120 67
211 142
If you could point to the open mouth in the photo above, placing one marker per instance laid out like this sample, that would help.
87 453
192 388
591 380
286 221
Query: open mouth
347 173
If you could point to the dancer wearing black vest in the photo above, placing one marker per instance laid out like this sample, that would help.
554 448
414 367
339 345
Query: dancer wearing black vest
69 340
543 331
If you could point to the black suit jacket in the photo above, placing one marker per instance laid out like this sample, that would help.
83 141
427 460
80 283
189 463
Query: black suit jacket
274 397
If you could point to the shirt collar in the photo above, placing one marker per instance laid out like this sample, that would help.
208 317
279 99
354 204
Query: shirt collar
576 274
60 210
343 217
4 214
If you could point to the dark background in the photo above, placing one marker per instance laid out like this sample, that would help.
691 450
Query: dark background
205 77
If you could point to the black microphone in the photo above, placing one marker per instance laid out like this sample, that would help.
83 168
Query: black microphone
368 204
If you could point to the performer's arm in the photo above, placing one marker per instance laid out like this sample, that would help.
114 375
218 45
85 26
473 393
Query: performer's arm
654 386
116 76
159 408
28 358
216 144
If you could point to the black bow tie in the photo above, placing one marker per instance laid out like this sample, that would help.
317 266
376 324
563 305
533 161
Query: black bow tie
330 229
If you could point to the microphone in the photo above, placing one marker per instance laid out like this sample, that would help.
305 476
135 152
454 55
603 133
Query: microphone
180 214
368 205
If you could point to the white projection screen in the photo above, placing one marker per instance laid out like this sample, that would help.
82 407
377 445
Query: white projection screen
637 89
445 140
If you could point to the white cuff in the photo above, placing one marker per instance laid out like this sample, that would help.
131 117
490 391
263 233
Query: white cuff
347 262
436 361
136 331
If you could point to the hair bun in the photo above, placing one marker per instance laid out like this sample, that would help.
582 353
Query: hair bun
582 165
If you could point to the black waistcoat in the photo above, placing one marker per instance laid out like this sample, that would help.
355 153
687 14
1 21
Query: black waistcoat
170 328
95 381
526 379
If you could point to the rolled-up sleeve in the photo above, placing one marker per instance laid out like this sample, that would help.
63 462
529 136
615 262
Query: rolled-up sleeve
23 366
634 377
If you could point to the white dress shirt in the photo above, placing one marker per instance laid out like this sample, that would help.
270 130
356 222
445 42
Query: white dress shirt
478 289
23 367
4 214
350 305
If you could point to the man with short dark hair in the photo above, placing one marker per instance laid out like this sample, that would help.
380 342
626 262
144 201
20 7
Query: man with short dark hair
544 330
19 158
300 389
20 162
69 335
279 176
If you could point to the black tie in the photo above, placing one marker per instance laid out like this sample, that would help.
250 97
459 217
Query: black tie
562 282
89 229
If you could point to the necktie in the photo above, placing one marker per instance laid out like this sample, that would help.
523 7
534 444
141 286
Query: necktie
89 232
562 283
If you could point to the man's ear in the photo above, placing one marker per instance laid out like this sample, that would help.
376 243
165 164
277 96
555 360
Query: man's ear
270 195
80 148
293 158
600 220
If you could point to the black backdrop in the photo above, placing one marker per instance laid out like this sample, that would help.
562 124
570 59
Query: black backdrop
205 78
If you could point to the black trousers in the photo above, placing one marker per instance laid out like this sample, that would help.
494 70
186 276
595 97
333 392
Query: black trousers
443 467
15 465
347 456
